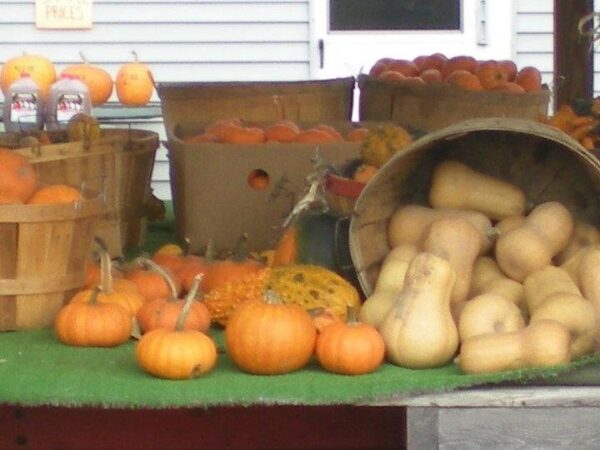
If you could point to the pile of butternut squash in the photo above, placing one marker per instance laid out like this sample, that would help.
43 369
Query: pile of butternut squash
483 277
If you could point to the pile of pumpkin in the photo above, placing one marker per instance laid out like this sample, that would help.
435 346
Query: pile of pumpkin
581 127
271 324
133 82
479 275
19 184
463 71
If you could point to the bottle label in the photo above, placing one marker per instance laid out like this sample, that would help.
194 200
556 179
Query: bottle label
24 108
68 105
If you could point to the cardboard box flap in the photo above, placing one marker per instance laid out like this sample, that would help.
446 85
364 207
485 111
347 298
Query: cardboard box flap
266 101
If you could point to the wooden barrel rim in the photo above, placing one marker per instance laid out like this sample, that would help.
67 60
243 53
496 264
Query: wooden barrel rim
386 172
41 285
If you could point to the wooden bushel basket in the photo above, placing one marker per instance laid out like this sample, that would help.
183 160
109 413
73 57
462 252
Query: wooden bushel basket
119 165
543 161
435 106
43 249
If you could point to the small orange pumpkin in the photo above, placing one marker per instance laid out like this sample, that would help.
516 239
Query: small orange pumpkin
177 354
98 80
55 194
350 348
93 324
163 312
17 177
267 337
134 83
230 269
39 67
150 283
128 298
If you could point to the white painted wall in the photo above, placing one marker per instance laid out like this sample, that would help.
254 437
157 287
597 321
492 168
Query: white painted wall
191 40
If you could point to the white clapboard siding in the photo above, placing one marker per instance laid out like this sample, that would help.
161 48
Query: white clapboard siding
180 40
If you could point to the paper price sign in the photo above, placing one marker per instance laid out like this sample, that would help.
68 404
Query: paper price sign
63 14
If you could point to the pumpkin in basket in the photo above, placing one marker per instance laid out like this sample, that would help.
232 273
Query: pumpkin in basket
55 194
18 180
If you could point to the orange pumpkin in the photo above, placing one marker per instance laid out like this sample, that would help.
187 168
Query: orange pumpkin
267 337
93 324
40 69
163 312
111 292
55 194
17 177
151 283
177 354
230 269
98 80
350 348
134 83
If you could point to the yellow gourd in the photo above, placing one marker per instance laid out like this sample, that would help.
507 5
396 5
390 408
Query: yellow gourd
456 185
410 223
531 246
489 313
457 241
390 282
419 331
545 343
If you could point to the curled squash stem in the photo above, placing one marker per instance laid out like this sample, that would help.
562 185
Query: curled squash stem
189 299
151 265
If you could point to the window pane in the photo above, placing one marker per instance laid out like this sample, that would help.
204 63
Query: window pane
394 15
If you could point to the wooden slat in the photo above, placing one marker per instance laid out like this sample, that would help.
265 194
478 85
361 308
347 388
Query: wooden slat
573 62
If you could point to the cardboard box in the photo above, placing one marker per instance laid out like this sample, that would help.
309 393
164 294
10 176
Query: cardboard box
266 101
209 182
435 106
212 197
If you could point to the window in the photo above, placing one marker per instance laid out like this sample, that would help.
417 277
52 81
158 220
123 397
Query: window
394 15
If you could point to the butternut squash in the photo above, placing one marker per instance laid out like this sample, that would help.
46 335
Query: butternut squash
489 313
531 246
574 312
584 235
457 241
410 224
588 276
544 343
487 278
550 293
543 283
419 331
508 224
456 185
390 282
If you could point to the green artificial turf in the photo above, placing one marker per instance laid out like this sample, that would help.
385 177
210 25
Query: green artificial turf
36 369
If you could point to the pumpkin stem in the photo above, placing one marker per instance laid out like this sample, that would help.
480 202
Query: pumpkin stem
240 251
151 265
83 58
271 297
189 299
351 317
135 56
94 295
106 278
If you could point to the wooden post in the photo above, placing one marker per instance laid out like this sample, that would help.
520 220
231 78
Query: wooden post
573 62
